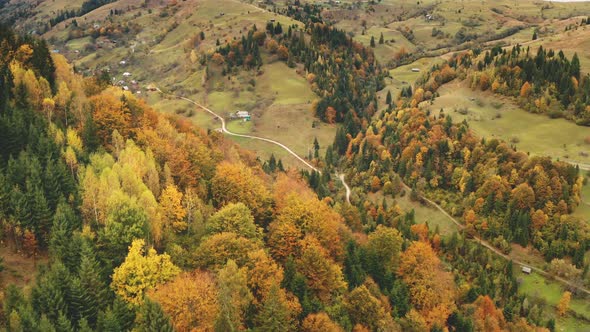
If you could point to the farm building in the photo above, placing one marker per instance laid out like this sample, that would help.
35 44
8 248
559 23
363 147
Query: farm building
527 270
416 70
242 115
126 74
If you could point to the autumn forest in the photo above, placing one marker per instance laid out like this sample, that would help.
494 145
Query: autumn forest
134 219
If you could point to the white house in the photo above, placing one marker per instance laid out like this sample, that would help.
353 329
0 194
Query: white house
416 70
527 270
126 74
122 62
242 115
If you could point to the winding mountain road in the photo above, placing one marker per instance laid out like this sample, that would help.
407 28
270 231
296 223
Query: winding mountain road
501 254
283 146
225 131
348 193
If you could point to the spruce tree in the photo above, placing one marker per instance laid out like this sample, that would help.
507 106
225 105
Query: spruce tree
51 292
83 326
41 217
124 314
63 324
278 29
151 318
372 41
45 324
274 314
381 38
316 148
575 66
108 321
91 289
353 269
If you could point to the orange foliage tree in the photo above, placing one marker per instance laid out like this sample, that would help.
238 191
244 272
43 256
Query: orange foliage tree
323 276
320 322
431 287
486 316
190 300
109 115
235 183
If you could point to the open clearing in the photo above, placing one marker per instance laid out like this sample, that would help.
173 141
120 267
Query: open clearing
494 116
279 102
570 42
425 214
535 286
403 76
287 86
18 270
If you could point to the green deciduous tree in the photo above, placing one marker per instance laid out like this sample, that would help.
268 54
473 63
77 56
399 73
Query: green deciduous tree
236 218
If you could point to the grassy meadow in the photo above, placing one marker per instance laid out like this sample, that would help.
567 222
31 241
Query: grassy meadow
491 115
538 288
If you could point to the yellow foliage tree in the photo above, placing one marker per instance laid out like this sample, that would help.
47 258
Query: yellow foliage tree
216 250
486 316
283 240
385 245
314 217
140 272
366 310
234 183
564 303
173 211
48 108
263 272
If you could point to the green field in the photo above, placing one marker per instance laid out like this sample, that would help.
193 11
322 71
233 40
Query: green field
490 115
280 104
284 85
535 286
426 214
423 214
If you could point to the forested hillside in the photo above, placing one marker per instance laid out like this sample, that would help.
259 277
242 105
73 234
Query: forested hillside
136 220
143 217
543 81
343 72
